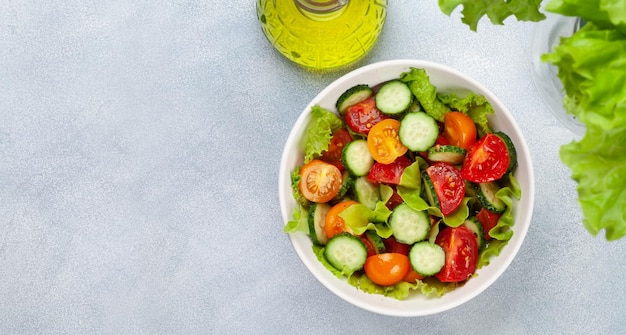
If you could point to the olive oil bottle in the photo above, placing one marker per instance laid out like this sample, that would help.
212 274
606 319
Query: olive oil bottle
322 34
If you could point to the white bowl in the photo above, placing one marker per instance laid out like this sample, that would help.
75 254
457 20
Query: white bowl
446 80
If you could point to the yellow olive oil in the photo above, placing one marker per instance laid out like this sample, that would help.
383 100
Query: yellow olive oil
322 34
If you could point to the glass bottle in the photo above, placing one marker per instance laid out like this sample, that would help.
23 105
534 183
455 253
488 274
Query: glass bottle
322 34
546 35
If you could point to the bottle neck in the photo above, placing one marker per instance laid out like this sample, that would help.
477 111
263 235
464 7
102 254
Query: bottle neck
321 9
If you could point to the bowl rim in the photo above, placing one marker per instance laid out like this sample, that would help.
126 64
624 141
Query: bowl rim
502 261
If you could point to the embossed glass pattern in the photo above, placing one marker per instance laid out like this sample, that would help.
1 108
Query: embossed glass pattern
322 34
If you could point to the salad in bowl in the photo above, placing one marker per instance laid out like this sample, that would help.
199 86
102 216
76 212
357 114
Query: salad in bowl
406 188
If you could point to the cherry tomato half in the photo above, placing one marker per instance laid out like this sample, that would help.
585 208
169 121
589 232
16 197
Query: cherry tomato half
384 143
362 116
459 129
449 186
388 173
333 223
319 181
461 249
488 220
487 160
387 268
333 155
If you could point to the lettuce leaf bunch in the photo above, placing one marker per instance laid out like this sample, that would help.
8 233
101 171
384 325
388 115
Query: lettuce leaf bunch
496 10
591 65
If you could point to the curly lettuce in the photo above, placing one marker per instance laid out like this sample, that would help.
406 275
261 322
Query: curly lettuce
425 92
606 14
496 10
321 128
591 65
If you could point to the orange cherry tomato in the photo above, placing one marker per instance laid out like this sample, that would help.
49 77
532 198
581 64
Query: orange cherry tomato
387 268
319 181
384 143
334 224
459 129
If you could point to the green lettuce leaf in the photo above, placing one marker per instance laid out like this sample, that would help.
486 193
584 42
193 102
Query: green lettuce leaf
592 67
299 222
606 14
360 218
502 232
425 92
295 188
598 164
320 130
496 10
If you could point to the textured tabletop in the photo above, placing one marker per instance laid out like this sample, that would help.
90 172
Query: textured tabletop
139 151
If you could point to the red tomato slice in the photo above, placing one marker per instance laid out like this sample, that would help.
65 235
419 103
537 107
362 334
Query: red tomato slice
391 245
459 129
461 250
363 116
488 220
333 155
387 268
319 181
388 173
449 186
487 160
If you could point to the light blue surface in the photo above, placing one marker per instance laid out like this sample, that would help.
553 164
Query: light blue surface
139 151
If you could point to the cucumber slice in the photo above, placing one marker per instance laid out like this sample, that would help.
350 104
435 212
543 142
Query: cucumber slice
394 97
366 193
510 149
347 183
346 252
353 96
431 195
486 194
316 219
376 241
476 228
418 131
447 153
408 225
427 258
357 158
